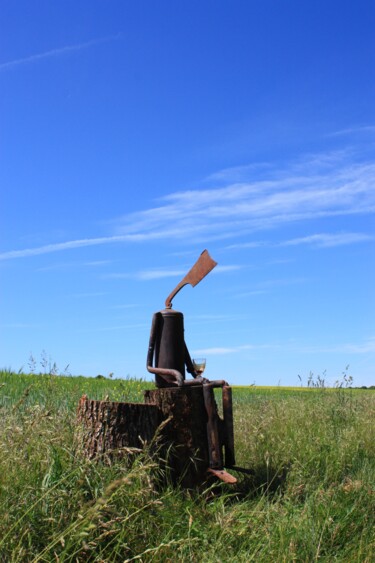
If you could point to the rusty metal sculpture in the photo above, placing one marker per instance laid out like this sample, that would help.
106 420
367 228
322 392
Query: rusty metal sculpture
167 358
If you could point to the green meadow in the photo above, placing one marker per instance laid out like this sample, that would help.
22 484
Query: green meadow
309 494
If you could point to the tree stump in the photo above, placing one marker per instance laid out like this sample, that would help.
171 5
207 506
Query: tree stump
176 417
183 438
107 426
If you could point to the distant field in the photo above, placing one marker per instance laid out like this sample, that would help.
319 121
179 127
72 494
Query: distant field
66 390
311 494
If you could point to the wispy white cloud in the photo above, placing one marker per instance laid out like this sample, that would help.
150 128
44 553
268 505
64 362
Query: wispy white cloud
320 186
89 294
114 327
328 188
57 247
237 173
218 351
96 263
249 244
154 274
54 53
146 275
159 274
329 240
345 349
365 347
127 306
266 285
72 265
251 293
321 240
226 268
20 325
81 243
58 266
351 130
215 317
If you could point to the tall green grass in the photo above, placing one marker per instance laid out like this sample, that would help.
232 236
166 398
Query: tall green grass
310 493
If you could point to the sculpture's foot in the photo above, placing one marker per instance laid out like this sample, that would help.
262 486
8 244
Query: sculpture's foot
222 475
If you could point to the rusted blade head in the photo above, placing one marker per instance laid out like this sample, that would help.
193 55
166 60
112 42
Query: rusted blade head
201 268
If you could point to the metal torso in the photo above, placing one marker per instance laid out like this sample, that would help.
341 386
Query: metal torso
170 344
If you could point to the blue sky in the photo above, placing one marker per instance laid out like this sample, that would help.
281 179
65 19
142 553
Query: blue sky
136 134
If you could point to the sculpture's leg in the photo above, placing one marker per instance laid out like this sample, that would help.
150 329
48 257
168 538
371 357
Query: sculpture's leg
228 427
214 449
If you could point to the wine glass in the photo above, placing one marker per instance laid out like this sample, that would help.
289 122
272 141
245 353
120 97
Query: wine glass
199 365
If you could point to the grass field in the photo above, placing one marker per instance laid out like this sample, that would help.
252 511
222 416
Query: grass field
310 497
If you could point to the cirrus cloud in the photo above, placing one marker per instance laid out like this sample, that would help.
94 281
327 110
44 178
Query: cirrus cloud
320 186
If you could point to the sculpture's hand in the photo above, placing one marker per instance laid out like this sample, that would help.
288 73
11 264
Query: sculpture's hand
200 379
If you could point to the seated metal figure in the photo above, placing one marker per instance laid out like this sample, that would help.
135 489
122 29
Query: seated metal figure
168 356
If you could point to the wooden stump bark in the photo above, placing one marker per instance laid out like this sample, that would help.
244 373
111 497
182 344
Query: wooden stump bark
183 438
107 426
176 417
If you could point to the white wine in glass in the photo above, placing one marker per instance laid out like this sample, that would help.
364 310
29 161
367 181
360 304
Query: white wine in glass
199 365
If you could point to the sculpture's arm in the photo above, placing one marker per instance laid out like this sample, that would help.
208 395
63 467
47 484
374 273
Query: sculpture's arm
171 376
188 362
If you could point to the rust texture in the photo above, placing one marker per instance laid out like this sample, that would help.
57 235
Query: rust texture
201 268
214 445
228 438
